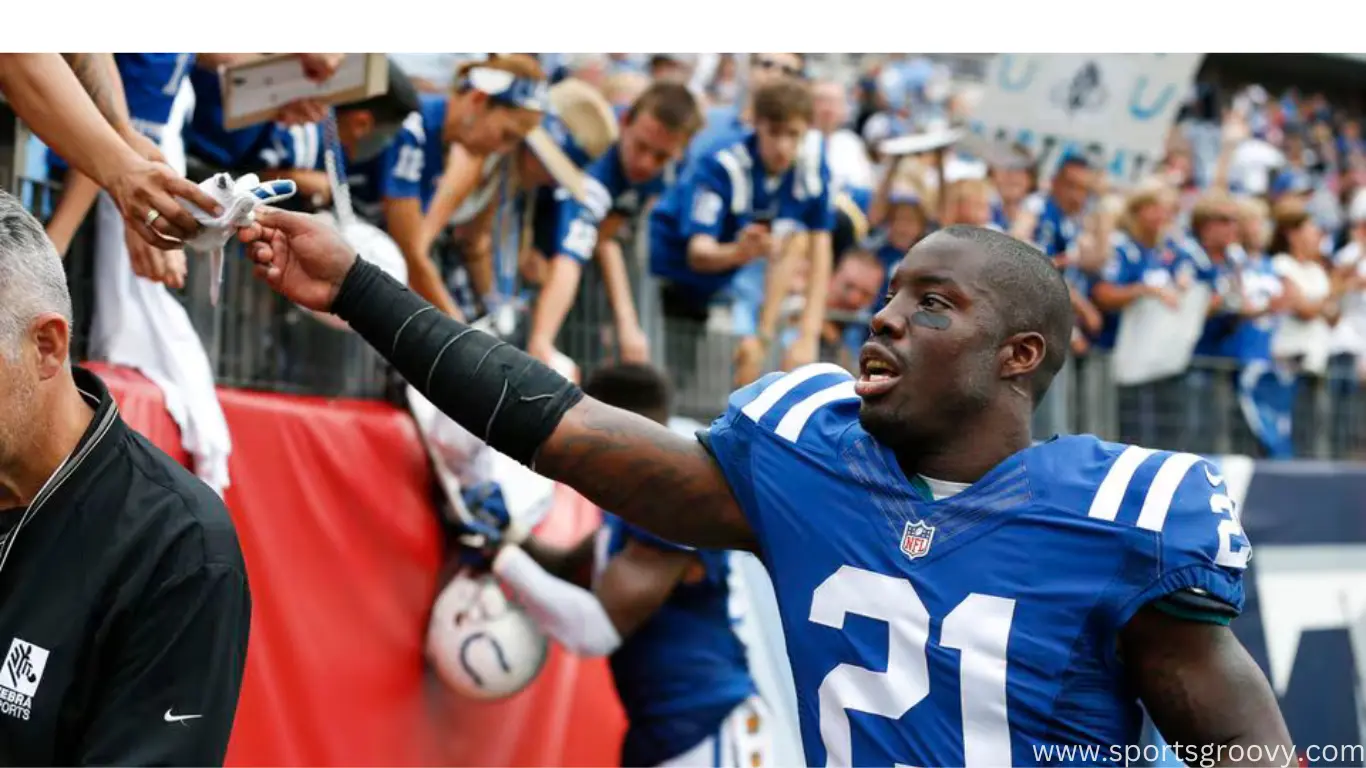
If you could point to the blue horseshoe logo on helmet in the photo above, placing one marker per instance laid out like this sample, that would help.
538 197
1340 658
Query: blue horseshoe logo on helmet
497 652
1143 112
1004 74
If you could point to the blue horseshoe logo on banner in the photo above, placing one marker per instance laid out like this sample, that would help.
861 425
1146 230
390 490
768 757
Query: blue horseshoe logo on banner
1016 84
1143 112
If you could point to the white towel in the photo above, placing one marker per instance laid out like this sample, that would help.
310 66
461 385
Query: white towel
239 199
139 324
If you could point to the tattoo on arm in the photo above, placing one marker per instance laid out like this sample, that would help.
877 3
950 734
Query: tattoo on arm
656 479
99 75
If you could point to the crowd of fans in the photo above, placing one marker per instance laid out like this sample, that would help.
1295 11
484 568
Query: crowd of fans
773 214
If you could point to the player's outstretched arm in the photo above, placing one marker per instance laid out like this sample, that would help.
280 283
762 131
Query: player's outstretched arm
643 472
647 474
1201 688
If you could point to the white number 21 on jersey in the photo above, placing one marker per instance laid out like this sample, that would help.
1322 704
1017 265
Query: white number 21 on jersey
978 627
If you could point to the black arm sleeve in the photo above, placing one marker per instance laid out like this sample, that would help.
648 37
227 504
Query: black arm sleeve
494 390
174 677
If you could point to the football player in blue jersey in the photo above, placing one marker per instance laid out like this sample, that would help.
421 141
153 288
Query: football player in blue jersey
952 593
664 614
619 184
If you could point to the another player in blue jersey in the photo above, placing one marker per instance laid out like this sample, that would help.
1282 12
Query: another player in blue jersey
664 614
951 592
619 184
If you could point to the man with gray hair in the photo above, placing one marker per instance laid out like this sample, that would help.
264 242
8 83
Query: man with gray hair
124 606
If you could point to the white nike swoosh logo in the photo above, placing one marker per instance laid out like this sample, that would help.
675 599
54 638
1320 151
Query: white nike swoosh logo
170 718
1211 477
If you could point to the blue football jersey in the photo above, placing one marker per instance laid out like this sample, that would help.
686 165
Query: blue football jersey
684 670
411 166
1054 231
205 136
150 84
727 191
606 191
151 81
973 629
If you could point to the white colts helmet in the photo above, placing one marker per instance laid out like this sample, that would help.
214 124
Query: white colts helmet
483 645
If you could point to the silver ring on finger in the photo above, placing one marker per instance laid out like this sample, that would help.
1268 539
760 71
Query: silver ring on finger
152 216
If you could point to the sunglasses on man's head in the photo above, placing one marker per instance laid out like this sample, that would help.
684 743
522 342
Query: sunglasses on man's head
790 71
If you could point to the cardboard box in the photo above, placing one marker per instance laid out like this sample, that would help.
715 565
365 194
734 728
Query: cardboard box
254 92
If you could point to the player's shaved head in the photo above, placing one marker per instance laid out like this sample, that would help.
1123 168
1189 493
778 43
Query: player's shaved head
1030 295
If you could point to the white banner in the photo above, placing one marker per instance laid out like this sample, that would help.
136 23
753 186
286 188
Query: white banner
1113 108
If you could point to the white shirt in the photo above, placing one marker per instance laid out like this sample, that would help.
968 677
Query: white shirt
1296 337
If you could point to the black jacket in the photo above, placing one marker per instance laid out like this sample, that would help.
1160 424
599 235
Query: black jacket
124 609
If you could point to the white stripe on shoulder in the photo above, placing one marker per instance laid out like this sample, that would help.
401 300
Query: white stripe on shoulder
775 391
739 180
794 420
1160 493
809 165
596 198
413 124
1110 494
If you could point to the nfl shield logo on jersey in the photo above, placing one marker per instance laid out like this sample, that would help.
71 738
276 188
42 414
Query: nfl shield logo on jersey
915 540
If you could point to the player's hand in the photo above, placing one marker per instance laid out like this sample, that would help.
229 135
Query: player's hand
756 241
298 256
152 263
146 186
320 66
635 345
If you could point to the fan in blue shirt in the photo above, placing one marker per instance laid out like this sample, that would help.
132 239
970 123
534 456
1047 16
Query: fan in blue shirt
619 184
1141 264
719 218
494 105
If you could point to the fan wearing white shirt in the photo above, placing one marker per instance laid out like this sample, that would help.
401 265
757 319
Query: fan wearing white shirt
1304 335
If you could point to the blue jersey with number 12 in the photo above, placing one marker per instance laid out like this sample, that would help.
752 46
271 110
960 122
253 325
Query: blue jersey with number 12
973 629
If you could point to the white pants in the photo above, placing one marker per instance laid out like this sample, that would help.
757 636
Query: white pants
743 740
